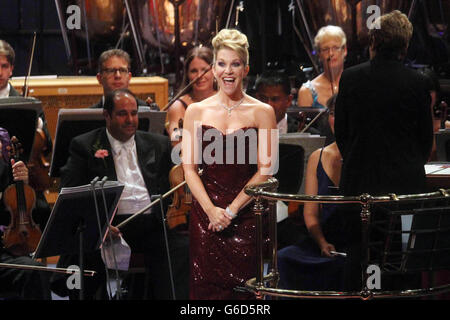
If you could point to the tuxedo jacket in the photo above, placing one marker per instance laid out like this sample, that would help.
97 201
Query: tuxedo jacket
153 154
383 128
13 92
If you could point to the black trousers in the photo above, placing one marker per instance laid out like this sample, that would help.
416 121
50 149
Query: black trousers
24 284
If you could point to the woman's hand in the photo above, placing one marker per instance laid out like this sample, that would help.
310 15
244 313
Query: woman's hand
20 171
218 219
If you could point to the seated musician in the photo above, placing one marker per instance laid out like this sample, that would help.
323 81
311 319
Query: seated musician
196 63
311 264
141 161
114 73
331 44
22 284
274 88
7 59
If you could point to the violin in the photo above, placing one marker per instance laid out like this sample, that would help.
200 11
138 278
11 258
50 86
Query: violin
181 201
22 235
38 165
182 198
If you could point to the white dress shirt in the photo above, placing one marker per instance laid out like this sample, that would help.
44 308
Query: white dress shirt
135 194
4 93
283 125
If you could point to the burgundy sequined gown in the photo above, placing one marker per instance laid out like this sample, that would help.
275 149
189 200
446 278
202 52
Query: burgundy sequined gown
221 261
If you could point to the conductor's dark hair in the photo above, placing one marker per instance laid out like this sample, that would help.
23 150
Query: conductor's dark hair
272 78
111 97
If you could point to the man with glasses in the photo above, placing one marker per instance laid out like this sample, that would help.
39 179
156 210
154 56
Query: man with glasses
114 73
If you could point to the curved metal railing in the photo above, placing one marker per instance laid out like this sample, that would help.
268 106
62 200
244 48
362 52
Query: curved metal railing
266 285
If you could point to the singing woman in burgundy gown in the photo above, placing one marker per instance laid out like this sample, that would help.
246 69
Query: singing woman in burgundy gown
222 227
221 261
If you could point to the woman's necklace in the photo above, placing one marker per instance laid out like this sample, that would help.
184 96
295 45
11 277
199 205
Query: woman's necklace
229 109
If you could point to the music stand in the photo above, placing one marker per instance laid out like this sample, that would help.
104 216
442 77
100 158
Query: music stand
73 226
19 117
73 122
290 168
443 145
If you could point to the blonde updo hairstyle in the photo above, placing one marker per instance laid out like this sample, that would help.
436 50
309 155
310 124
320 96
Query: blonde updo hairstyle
330 32
234 40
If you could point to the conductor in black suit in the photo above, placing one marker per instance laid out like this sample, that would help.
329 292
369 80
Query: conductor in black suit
383 124
383 129
141 161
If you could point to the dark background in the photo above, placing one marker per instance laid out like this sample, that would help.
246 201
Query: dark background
267 23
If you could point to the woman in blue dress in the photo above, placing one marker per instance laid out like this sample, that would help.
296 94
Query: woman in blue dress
312 263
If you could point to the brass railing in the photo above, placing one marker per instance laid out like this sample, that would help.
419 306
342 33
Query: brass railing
266 285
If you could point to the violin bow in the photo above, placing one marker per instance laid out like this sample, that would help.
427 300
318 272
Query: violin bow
200 171
89 273
331 75
314 120
185 89
30 64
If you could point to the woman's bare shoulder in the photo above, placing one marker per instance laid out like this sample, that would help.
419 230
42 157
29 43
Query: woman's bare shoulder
259 105
304 96
314 156
176 108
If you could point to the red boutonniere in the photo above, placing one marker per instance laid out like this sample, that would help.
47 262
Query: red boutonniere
101 153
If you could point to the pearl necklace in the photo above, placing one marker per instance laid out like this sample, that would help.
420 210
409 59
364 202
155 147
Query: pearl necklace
229 109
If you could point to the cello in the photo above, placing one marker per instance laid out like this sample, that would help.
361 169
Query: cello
22 235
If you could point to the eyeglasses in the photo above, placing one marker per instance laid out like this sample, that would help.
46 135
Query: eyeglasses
332 49
112 71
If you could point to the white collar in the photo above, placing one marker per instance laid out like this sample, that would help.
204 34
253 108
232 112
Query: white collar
4 93
117 145
282 125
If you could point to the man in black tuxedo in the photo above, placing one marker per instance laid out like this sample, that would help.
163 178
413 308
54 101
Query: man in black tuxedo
383 122
114 73
383 129
140 160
